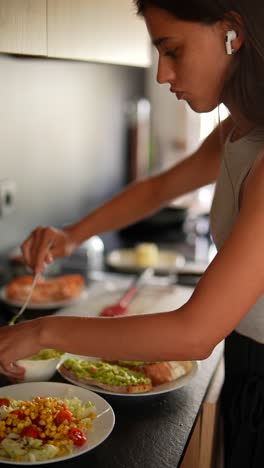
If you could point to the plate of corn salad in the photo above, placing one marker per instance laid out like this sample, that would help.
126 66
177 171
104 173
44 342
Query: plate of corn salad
45 422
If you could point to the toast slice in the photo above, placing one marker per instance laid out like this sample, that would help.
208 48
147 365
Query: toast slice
110 377
60 288
159 372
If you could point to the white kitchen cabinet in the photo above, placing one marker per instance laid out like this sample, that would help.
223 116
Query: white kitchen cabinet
23 28
99 31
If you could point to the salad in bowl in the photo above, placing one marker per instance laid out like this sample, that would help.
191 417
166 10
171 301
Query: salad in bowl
41 366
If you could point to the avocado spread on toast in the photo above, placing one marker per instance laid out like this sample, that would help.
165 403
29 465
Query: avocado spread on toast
104 372
135 363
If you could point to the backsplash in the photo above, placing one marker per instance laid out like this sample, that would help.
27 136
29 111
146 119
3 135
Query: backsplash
63 138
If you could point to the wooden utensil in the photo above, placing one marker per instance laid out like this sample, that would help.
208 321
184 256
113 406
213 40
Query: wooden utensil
120 308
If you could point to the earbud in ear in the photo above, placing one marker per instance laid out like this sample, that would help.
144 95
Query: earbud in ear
230 36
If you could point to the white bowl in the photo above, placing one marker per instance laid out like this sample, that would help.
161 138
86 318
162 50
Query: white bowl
39 370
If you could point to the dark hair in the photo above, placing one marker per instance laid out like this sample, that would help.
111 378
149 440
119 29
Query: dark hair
246 83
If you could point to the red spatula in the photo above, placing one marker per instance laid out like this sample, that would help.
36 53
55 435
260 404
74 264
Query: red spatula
120 308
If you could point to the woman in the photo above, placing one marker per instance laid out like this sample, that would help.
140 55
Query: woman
209 52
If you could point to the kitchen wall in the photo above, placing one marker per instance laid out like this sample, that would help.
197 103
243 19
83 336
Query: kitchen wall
175 126
62 138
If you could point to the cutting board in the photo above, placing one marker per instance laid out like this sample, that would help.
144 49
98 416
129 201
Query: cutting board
150 299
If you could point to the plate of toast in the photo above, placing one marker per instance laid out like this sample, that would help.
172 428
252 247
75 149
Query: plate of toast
126 378
48 293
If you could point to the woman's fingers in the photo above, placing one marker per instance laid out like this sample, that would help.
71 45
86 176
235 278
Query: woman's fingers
17 342
44 244
25 249
40 248
36 248
29 247
49 258
12 370
14 380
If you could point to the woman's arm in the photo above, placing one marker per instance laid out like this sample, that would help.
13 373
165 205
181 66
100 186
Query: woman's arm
138 200
228 289
141 198
230 286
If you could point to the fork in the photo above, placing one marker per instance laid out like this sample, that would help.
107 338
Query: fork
20 312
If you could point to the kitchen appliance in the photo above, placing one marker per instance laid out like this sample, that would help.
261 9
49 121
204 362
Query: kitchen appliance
166 226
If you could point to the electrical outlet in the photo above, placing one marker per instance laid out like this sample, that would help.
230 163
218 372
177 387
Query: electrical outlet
7 196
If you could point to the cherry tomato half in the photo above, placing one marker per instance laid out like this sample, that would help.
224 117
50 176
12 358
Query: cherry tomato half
30 431
4 402
63 415
20 414
77 435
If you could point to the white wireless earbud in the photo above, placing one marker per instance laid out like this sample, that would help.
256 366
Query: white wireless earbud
230 36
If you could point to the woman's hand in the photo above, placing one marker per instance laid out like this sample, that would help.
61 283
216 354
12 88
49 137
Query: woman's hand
44 244
17 342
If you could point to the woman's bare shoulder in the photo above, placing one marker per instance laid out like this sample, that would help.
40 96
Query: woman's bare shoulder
227 126
254 183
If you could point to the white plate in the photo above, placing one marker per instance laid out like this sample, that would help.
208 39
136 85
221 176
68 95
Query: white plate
47 305
169 261
194 268
103 425
157 390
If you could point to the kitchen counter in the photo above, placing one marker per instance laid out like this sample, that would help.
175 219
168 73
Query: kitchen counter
151 431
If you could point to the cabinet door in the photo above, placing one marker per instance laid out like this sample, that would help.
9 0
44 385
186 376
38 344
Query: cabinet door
23 28
96 30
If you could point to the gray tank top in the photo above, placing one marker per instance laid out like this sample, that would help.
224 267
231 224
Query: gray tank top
237 160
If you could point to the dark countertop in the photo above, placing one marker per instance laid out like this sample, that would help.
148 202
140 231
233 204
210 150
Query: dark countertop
153 431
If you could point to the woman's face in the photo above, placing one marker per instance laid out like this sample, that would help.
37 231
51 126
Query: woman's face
192 58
